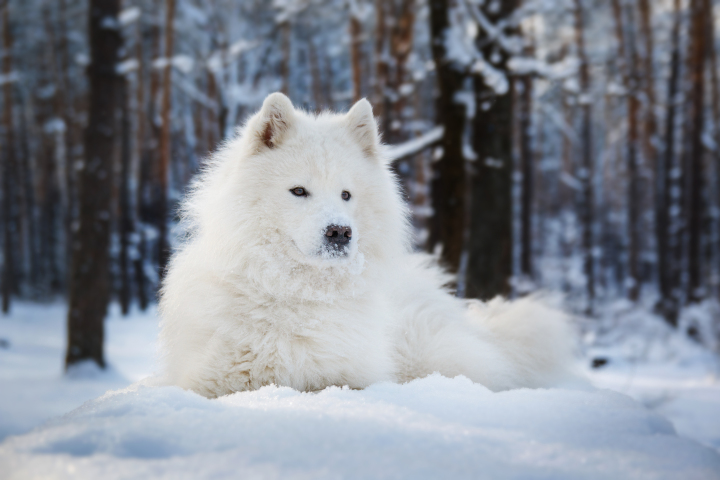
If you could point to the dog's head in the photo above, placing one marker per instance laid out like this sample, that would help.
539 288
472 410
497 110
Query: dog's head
300 192
321 185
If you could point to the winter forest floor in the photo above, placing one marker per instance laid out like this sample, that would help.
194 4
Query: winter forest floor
419 430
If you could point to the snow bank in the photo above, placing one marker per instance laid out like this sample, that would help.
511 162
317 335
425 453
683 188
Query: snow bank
430 428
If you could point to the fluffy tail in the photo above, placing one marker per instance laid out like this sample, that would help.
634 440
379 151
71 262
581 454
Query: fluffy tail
537 341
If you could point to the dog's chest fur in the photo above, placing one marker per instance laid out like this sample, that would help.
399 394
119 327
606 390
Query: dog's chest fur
304 345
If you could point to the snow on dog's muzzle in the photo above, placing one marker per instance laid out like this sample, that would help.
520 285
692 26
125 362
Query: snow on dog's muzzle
337 240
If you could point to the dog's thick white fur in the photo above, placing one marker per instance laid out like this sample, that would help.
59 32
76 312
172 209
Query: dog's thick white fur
256 296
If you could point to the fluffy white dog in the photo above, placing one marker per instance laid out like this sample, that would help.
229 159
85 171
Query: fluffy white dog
297 270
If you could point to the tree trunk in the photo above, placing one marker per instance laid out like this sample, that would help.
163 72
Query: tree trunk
164 163
449 185
525 98
66 111
142 157
380 60
630 77
356 54
652 155
285 30
490 246
126 219
319 96
697 55
668 242
587 196
715 103
89 275
10 167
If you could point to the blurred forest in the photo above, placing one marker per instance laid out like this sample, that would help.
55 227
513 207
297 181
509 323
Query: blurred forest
564 145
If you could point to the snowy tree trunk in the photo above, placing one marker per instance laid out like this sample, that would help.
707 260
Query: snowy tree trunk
143 158
126 219
285 31
64 108
164 160
668 263
381 66
628 68
586 174
490 244
525 98
355 55
697 56
10 167
652 155
449 185
714 254
89 276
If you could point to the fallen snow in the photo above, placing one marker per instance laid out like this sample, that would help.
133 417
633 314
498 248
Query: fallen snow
663 369
33 388
430 428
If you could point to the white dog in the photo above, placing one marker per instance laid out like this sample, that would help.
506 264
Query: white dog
297 270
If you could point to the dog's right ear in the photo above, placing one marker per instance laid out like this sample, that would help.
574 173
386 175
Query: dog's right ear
273 121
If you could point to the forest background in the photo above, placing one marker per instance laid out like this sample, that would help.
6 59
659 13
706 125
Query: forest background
569 146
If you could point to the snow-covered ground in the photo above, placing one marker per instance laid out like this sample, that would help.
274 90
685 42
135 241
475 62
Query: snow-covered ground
33 388
658 366
430 428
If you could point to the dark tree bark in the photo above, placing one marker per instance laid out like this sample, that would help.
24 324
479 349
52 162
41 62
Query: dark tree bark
64 108
697 56
126 219
10 167
652 155
630 76
30 214
89 274
587 195
400 18
668 261
142 152
381 66
715 105
669 242
525 97
490 245
449 185
164 160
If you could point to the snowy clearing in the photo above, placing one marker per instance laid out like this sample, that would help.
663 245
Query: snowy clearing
430 428
33 388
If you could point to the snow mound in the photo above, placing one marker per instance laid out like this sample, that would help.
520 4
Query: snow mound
430 428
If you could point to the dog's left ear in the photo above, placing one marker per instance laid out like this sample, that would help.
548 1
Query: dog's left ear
362 126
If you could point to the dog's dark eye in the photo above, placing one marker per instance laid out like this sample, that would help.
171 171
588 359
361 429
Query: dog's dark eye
299 192
346 195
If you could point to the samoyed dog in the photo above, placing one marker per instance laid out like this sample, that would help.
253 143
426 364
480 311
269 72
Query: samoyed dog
297 270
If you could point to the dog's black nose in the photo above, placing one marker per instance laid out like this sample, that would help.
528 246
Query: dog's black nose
337 235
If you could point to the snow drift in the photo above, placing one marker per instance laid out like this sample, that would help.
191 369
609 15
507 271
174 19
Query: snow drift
433 427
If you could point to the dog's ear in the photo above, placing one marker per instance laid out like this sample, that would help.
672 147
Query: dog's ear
362 126
274 120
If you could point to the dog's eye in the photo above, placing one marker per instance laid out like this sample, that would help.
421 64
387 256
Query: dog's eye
299 192
346 195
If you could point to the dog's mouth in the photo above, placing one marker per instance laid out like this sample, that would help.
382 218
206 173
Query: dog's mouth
332 251
324 252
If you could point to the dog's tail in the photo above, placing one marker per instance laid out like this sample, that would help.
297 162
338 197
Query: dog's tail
536 340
